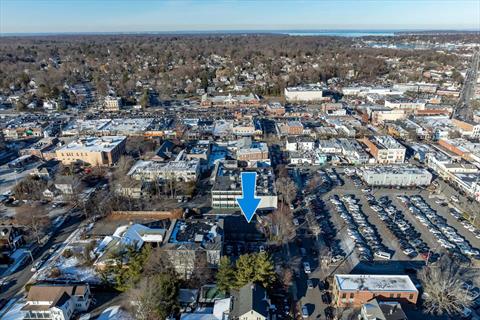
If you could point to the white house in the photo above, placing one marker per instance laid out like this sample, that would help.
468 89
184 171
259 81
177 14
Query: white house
56 302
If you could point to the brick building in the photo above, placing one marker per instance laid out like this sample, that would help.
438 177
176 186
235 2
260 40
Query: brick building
355 290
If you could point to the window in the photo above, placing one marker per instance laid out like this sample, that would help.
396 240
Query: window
391 295
410 296
398 295
351 295
344 295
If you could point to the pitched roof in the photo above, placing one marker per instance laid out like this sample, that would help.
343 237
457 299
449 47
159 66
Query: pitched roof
57 294
250 297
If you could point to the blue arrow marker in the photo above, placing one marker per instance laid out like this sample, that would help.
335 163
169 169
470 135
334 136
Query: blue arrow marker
248 203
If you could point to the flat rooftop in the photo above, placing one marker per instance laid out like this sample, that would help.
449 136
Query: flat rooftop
92 144
305 87
352 282
228 179
186 231
391 169
387 142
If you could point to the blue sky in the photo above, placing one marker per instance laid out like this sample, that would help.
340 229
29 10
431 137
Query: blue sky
182 15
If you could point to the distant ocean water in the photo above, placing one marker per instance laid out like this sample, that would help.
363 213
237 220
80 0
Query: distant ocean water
342 33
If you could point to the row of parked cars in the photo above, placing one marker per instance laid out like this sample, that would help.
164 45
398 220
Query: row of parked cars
367 240
446 236
328 230
409 239
454 212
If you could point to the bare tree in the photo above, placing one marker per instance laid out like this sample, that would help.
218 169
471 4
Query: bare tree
287 190
144 297
443 286
35 219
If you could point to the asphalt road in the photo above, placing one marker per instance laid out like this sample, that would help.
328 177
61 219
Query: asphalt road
17 280
463 109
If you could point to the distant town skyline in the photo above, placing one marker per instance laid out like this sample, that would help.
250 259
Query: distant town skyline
56 16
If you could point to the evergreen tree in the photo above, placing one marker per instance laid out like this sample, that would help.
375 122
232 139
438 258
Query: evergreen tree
245 269
264 270
225 275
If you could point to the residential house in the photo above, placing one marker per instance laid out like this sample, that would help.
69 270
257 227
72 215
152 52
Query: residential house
250 302
56 302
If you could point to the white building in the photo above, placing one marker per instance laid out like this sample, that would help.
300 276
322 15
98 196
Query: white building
329 146
112 104
56 302
405 104
396 176
299 144
385 149
227 186
306 93
178 170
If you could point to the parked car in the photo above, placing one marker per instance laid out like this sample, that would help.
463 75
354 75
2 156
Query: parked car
304 312
309 284
306 267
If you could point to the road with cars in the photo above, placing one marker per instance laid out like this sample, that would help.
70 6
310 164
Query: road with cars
463 110
15 282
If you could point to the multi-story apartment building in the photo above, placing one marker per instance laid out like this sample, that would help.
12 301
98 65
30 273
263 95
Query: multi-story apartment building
112 104
385 149
354 290
104 151
193 245
227 186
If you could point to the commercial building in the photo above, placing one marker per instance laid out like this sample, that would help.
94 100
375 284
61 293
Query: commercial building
469 129
354 290
385 149
230 100
255 154
56 302
352 151
103 151
227 186
405 104
302 143
246 128
304 93
467 150
469 183
275 109
193 245
294 128
395 176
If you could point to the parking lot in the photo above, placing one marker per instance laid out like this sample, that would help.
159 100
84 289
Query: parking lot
367 230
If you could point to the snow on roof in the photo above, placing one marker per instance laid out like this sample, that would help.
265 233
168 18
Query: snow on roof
114 313
94 144
351 282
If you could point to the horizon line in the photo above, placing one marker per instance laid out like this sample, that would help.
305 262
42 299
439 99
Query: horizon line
240 31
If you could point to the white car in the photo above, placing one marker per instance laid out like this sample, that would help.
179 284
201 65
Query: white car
306 268
36 266
295 222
